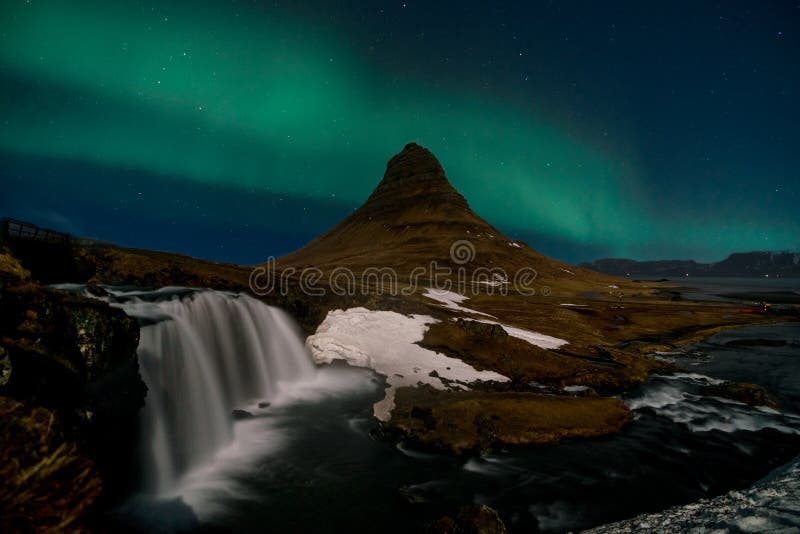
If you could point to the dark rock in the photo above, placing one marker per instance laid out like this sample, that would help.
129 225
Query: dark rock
750 394
75 356
603 353
481 330
486 431
472 519
263 404
5 367
239 415
410 496
95 289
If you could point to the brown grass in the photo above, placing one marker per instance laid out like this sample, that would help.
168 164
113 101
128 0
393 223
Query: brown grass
467 421
10 268
45 484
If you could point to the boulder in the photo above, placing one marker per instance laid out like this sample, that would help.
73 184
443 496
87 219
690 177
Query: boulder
750 394
239 415
481 330
471 519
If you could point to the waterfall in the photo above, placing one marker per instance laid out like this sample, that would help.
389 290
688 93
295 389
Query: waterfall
203 354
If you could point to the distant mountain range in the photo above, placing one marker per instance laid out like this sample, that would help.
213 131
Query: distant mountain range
743 264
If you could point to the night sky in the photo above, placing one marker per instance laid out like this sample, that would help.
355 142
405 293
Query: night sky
238 130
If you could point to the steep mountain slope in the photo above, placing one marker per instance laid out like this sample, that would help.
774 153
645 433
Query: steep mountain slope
415 216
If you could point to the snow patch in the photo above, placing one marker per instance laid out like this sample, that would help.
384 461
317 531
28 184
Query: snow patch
567 304
451 300
568 271
496 281
534 338
385 341
512 244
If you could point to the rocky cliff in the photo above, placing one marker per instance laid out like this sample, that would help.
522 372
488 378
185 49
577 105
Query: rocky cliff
70 391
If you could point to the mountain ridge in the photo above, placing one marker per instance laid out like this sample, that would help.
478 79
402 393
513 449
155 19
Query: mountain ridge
743 264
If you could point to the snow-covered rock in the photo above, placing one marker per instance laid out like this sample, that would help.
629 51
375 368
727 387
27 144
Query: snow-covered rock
385 341
453 301
534 338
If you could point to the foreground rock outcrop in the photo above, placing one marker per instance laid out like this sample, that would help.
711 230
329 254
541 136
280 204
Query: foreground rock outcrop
71 392
771 505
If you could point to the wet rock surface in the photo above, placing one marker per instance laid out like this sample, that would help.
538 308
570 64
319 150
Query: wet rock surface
239 415
750 394
771 505
472 519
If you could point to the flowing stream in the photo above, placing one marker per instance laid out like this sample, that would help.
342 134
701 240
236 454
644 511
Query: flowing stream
302 458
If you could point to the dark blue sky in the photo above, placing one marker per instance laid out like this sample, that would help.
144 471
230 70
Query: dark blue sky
239 130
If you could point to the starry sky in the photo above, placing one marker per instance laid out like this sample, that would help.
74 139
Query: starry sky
239 130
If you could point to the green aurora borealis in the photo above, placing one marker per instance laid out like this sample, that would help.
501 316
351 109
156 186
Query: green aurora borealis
279 103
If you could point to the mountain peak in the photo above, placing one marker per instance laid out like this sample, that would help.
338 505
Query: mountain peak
413 160
415 175
415 216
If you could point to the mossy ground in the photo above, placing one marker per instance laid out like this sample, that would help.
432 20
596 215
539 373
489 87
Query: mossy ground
474 421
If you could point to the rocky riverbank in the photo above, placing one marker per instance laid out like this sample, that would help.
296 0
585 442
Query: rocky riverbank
771 505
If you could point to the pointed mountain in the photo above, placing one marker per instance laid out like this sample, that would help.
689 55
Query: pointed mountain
414 216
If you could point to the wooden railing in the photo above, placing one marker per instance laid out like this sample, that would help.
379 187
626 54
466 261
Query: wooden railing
13 229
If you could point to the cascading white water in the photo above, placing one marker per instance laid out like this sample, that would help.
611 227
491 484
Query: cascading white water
202 356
